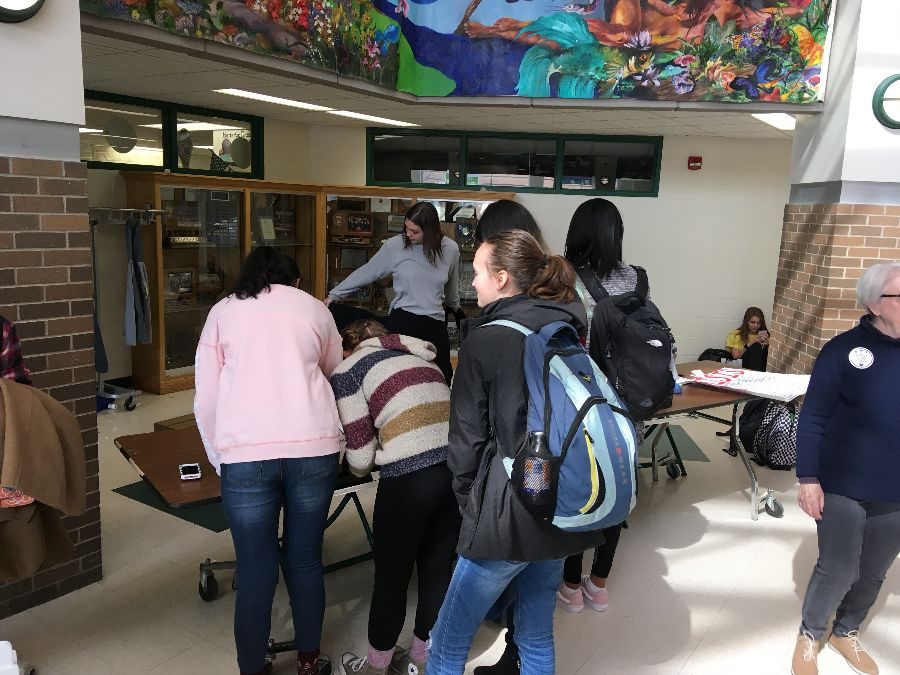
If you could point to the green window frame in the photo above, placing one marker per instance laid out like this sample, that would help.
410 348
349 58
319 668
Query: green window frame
170 113
463 137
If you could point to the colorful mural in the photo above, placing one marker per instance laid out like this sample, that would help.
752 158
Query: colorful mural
732 51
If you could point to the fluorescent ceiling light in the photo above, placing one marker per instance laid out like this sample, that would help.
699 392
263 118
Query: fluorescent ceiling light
121 112
146 148
371 118
272 99
781 121
198 126
85 130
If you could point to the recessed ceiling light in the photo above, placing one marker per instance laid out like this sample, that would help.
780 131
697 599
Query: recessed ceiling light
121 112
85 130
272 99
781 121
371 118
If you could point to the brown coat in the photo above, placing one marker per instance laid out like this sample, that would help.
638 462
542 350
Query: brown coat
42 455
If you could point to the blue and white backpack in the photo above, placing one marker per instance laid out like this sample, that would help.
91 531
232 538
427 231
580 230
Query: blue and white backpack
576 468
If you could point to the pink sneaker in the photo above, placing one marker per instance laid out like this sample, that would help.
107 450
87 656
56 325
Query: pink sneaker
569 599
598 600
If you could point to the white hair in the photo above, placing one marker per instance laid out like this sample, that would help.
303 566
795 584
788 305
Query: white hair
871 284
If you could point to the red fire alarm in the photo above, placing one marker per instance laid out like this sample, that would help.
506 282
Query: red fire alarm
695 163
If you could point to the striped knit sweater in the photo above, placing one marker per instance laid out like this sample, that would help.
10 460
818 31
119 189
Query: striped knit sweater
394 406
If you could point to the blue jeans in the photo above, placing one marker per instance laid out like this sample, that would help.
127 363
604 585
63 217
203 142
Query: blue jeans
475 588
253 494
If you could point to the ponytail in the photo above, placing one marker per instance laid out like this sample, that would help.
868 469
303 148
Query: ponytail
556 281
537 275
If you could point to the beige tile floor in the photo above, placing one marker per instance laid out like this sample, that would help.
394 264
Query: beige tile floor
698 588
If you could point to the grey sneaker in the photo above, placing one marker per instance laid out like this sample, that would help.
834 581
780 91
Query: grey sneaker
352 664
403 664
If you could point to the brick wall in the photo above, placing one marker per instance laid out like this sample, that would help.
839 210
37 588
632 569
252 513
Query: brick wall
824 250
46 289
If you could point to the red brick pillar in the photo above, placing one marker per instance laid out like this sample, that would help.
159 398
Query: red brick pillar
824 250
46 288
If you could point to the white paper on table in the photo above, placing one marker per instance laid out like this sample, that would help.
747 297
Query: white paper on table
776 386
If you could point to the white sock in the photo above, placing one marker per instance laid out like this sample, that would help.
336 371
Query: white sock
588 584
570 591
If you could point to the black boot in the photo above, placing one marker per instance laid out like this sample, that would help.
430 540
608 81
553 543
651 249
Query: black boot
507 665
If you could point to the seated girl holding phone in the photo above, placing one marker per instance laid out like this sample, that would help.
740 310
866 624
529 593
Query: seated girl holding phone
750 341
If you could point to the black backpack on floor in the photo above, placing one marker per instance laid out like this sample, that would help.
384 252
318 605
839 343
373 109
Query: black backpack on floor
632 345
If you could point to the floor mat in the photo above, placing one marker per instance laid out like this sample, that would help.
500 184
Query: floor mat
690 452
210 516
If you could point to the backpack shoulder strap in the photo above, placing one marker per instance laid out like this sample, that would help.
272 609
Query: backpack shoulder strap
509 324
643 284
592 283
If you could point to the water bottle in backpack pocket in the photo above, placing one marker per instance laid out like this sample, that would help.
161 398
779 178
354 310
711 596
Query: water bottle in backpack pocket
576 466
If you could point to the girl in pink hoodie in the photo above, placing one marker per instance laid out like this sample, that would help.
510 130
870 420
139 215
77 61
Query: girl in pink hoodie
269 423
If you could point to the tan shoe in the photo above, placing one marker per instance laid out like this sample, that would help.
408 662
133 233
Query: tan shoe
806 653
856 655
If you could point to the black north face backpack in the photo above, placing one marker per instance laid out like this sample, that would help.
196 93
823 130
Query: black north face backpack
632 345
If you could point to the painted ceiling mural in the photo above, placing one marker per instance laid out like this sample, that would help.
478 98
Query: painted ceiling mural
731 51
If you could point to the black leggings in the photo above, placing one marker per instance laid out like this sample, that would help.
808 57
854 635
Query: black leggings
603 558
428 329
416 523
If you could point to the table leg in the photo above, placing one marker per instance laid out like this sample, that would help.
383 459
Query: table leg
754 481
654 459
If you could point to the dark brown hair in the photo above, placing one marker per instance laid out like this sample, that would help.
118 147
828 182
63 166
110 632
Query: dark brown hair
425 216
538 275
360 330
749 314
503 215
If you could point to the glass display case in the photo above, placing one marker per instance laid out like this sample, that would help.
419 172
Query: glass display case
288 222
193 254
201 258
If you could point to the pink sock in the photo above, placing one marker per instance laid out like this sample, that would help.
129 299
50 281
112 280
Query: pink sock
379 659
419 650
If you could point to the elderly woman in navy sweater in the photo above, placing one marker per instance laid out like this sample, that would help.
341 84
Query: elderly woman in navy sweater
848 463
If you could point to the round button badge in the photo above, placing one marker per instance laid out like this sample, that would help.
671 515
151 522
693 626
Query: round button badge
861 358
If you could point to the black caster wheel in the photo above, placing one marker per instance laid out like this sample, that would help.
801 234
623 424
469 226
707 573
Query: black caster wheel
208 587
673 471
130 403
774 508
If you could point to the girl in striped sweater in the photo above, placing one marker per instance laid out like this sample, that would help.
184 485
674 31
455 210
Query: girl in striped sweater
395 408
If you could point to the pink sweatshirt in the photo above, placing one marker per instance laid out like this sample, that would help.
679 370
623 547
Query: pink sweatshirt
261 377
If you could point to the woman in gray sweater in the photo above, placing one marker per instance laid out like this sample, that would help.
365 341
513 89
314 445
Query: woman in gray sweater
425 268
